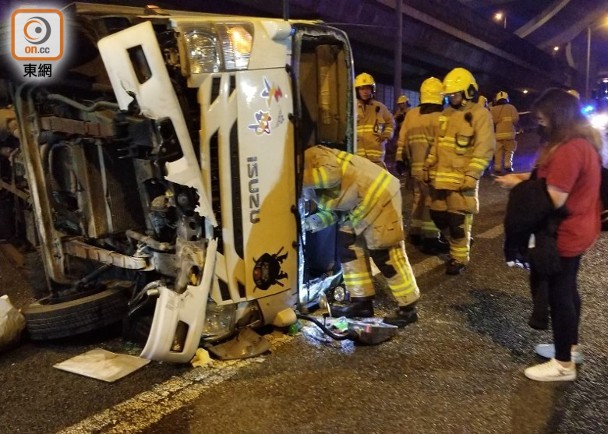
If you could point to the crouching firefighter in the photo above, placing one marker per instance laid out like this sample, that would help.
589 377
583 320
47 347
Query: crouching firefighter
369 199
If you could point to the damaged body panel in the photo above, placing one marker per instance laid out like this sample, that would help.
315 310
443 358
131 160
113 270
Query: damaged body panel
163 173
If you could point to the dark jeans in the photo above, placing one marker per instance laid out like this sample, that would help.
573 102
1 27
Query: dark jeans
564 305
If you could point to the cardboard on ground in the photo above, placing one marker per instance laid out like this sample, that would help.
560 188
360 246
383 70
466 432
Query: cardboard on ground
102 365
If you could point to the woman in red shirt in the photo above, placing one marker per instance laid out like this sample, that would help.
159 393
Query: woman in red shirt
570 162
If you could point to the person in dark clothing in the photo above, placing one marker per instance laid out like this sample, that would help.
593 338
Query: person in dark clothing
531 213
570 163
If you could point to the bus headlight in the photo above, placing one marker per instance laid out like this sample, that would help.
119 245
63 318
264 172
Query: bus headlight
218 47
236 46
202 52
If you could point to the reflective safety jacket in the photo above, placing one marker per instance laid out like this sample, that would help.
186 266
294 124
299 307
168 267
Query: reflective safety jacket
349 183
375 126
416 137
505 118
464 146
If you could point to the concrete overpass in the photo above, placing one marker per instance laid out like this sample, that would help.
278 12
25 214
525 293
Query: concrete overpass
437 36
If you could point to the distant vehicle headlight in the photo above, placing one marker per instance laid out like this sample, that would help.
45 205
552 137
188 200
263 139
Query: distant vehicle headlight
599 120
218 47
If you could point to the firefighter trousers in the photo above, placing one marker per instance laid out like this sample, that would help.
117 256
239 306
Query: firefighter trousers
421 222
452 212
391 261
503 155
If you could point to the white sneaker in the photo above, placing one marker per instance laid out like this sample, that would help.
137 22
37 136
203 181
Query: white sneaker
551 371
548 351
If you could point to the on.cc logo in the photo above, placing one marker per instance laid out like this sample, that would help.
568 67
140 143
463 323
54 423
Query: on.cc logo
37 30
37 34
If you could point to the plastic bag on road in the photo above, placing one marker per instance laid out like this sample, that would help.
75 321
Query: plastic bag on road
12 323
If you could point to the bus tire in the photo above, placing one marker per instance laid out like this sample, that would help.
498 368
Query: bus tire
70 318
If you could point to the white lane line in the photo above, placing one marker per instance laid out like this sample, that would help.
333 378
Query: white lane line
427 265
495 232
432 262
143 410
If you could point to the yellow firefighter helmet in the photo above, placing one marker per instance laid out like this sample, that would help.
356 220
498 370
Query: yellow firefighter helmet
460 80
364 79
430 91
483 101
574 93
502 95
402 99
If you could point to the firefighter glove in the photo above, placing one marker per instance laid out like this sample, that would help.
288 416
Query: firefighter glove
314 223
469 183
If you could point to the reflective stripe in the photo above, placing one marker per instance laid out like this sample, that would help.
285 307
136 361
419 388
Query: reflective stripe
461 254
371 197
449 177
478 163
345 157
319 177
508 135
429 226
357 278
327 217
366 151
404 271
447 144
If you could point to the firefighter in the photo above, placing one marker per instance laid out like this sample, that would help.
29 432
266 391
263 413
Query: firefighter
369 200
375 123
505 119
456 161
483 102
417 134
574 92
403 106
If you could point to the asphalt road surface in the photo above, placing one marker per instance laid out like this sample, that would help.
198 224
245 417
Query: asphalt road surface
459 369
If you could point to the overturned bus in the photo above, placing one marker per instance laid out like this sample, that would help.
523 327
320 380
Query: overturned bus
158 176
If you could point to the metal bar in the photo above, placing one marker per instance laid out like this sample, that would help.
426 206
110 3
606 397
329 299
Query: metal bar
398 51
86 251
14 190
588 62
285 10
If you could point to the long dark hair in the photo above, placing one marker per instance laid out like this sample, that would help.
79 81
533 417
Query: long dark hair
566 121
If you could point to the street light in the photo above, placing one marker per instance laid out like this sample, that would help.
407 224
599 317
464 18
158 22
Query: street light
501 17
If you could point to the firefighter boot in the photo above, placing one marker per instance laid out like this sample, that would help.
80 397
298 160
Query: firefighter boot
403 316
454 268
356 308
